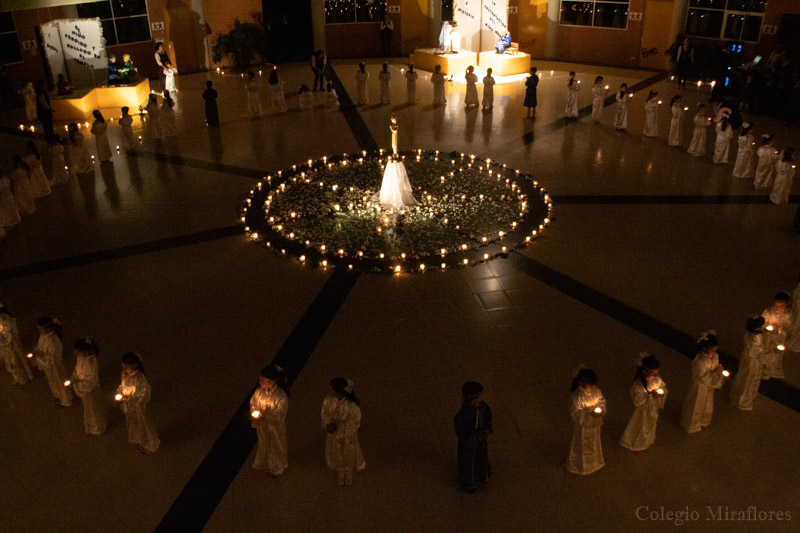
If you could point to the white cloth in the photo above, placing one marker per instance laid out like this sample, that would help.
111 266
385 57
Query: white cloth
396 191
135 391
272 453
697 146
86 384
571 109
361 87
586 448
411 86
29 95
651 118
444 38
80 162
332 99
9 214
100 132
765 170
58 164
455 40
471 97
793 342
154 118
168 120
276 98
11 350
722 144
385 78
39 185
169 80
640 433
306 100
751 365
488 92
21 188
598 101
128 140
342 449
621 117
252 90
745 165
780 321
699 404
674 138
437 79
47 357
782 187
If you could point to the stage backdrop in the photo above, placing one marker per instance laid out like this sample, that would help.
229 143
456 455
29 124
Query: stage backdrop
481 23
77 48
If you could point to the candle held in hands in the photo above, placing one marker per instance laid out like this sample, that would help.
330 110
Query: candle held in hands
256 414
659 391
67 383
780 347
726 373
30 356
118 397
769 328
598 410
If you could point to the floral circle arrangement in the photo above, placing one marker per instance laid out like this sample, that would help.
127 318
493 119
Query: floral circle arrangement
326 213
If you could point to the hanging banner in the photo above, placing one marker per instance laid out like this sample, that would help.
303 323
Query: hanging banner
481 23
494 23
51 41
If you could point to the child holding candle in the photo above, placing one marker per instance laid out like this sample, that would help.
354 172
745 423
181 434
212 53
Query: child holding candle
471 98
598 98
674 138
126 123
361 84
784 173
411 84
11 348
47 357
154 117
767 157
697 146
777 318
745 385
100 132
133 395
651 115
488 90
571 110
722 143
268 408
277 100
86 384
341 418
621 117
473 424
39 184
21 186
745 166
437 79
80 162
648 392
384 76
58 165
587 409
707 375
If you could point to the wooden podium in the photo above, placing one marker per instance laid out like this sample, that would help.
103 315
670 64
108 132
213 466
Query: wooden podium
505 64
451 63
81 105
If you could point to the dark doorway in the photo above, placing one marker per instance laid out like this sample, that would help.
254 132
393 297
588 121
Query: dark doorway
789 35
289 33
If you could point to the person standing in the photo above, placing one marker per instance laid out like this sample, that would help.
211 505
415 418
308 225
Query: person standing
387 29
169 78
268 408
621 116
697 146
100 132
80 162
722 143
58 164
648 392
9 214
29 97
707 375
384 77
587 409
162 59
471 98
210 97
154 116
767 158
252 90
133 395
47 357
126 123
86 384
531 83
43 108
777 317
318 63
598 99
40 187
361 84
675 122
751 364
21 186
473 424
684 59
411 84
651 115
488 90
437 79
277 99
571 110
745 166
341 418
11 348
784 173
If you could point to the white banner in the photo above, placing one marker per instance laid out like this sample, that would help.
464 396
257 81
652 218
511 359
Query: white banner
52 47
494 23
481 23
83 42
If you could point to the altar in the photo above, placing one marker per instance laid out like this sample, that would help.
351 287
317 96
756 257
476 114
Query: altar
79 106
427 59
505 64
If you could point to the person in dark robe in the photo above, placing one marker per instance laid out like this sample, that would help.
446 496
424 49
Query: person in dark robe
387 29
210 96
473 424
113 70
318 62
43 108
530 92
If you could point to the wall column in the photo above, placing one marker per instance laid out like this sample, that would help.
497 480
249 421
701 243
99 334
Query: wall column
318 23
676 26
551 42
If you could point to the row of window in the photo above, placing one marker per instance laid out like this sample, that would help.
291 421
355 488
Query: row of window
349 11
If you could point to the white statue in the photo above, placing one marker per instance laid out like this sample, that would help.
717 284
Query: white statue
396 190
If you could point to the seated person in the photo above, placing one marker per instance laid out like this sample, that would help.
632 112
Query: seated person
63 86
504 42
128 73
113 71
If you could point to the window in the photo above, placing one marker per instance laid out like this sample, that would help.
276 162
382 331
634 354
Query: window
10 51
447 9
736 20
598 13
124 21
346 11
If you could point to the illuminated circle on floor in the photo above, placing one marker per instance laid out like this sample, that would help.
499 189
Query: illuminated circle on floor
324 213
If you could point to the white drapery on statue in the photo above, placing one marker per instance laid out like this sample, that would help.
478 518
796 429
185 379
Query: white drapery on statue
396 189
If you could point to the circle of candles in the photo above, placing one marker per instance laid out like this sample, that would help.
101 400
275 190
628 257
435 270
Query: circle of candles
118 397
67 383
726 373
598 410
780 347
256 414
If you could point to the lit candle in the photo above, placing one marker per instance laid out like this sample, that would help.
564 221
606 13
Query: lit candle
769 328
726 373
598 410
67 383
606 87
780 347
256 414
659 391
30 356
118 397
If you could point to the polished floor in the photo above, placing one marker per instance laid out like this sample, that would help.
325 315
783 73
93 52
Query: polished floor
648 247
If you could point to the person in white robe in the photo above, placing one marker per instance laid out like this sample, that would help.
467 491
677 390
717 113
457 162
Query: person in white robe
707 375
411 84
9 214
47 356
455 38
11 349
621 116
767 158
126 123
154 118
21 186
277 99
361 84
58 163
86 384
40 187
751 364
384 76
341 418
29 96
444 38
471 98
80 162
784 174
587 409
437 79
100 132
306 98
268 408
648 392
169 78
488 90
745 165
598 99
573 86
133 396
676 121
253 93
168 115
331 98
793 340
697 146
651 115
777 317
722 144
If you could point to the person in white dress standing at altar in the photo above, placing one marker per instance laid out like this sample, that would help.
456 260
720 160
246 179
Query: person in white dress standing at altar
598 99
488 90
722 144
587 409
471 98
86 384
648 392
573 86
361 84
744 389
341 418
767 158
444 38
268 408
411 84
651 115
777 317
621 116
707 375
745 166
384 76
437 79
100 132
697 146
676 121
784 174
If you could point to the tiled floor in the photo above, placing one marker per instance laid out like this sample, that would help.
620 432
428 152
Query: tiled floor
643 234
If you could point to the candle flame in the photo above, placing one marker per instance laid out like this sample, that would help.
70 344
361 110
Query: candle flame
781 347
256 414
30 356
67 383
598 410
726 373
118 397
659 391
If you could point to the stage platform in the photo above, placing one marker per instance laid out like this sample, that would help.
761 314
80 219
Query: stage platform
81 105
505 64
451 63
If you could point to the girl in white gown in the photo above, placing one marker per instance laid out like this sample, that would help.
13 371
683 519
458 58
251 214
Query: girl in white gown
154 118
306 98
277 99
751 364
29 96
767 157
39 184
777 318
58 163
651 115
86 384
384 76
361 84
697 146
722 144
21 186
133 395
471 98
598 99
11 349
268 408
80 162
587 409
411 84
341 418
745 166
621 117
707 375
252 91
169 78
9 214
168 115
331 98
488 90
47 356
126 123
648 392
676 121
571 109
437 79
784 174
100 132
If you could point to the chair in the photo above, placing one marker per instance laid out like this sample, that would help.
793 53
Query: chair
513 49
